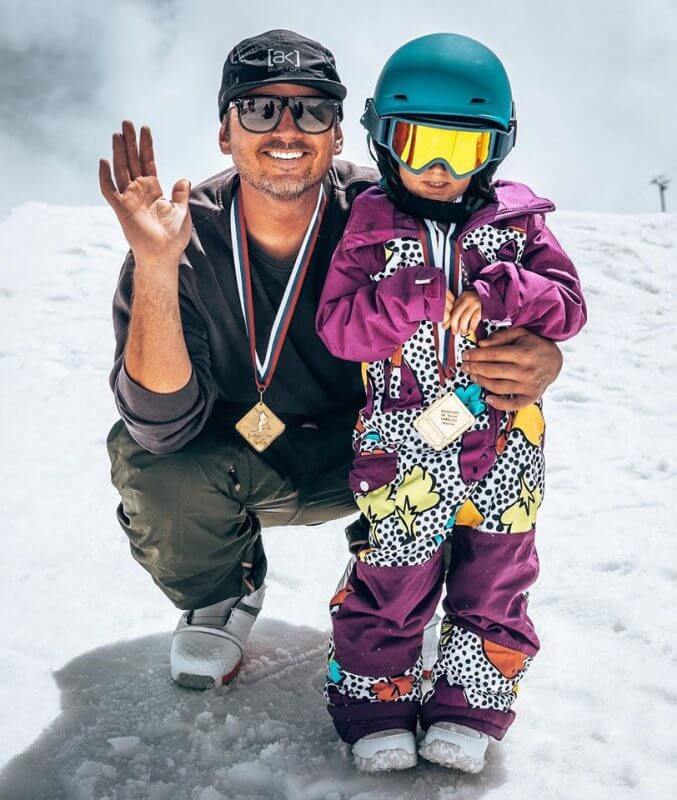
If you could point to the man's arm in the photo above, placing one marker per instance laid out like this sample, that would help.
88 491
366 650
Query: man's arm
156 355
159 417
515 365
162 385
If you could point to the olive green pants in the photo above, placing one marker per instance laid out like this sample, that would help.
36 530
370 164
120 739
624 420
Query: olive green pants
194 517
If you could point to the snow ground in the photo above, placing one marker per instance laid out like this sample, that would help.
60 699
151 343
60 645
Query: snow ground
87 709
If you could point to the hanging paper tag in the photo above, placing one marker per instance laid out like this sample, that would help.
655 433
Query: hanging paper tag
443 421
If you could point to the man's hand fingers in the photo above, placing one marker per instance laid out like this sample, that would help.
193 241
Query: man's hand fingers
146 153
475 320
133 161
513 403
120 163
501 354
497 385
107 186
490 369
181 192
502 337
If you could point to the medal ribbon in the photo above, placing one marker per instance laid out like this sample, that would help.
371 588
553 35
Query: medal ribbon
445 255
263 372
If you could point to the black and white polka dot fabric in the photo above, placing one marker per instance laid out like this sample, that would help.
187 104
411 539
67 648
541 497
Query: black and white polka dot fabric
491 480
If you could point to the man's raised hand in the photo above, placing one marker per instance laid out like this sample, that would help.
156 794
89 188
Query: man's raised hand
156 229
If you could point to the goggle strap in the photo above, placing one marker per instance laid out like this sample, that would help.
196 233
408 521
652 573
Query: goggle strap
375 125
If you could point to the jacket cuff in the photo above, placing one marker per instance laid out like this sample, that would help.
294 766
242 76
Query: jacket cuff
493 308
156 406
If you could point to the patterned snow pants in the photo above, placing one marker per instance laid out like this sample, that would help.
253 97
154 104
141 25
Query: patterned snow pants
415 498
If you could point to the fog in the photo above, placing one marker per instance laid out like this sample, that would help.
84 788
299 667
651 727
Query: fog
593 83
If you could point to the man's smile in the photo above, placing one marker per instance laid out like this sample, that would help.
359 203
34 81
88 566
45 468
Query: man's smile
285 154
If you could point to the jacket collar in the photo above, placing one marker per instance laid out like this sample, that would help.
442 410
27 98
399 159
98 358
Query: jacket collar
375 219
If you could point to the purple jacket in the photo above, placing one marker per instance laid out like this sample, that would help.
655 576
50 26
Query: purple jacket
361 319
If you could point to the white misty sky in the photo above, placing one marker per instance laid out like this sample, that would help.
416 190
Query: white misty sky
593 82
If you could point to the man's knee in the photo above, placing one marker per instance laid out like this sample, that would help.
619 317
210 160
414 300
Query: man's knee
183 516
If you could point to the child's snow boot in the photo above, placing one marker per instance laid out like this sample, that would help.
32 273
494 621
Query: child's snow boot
384 751
456 746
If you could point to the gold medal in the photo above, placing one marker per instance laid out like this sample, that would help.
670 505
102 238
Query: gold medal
260 426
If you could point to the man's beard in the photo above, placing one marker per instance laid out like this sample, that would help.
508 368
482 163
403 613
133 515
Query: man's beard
283 188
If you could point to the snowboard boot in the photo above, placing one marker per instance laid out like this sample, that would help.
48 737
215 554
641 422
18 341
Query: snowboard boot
385 751
208 642
456 746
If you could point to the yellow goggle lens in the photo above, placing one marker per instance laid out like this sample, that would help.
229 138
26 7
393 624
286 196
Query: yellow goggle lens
418 145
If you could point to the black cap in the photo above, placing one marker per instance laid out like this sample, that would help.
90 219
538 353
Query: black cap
278 56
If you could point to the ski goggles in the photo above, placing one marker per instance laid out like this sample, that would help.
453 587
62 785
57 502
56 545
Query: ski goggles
417 145
262 113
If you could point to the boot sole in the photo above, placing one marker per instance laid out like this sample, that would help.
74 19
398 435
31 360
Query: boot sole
386 761
451 756
190 681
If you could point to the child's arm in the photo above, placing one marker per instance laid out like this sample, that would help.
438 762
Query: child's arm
363 320
542 294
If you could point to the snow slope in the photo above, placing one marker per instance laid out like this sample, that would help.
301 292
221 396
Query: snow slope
87 709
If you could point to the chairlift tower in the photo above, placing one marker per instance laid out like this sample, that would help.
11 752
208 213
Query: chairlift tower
662 182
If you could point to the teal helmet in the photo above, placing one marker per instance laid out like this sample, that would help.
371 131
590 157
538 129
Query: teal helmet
448 76
441 80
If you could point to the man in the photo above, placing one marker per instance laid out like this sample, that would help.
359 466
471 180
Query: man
234 415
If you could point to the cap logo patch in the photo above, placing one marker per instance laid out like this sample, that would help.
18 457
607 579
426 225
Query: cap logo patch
283 59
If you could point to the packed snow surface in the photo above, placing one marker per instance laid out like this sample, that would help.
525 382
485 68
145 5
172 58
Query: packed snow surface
87 707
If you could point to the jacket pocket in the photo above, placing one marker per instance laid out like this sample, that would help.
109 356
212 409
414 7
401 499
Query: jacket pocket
478 449
401 387
371 471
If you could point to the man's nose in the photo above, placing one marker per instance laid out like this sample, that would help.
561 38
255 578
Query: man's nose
286 124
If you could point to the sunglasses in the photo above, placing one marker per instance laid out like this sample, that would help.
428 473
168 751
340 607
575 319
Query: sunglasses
262 113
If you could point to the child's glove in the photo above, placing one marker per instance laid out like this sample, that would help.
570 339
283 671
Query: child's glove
464 314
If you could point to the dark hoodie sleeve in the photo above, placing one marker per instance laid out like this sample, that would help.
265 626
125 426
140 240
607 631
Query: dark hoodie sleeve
162 423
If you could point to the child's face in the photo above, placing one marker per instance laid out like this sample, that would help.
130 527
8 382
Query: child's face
436 183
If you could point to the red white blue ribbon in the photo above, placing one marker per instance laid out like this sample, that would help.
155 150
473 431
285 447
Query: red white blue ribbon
264 371
444 253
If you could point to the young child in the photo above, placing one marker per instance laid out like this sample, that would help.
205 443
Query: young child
433 259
